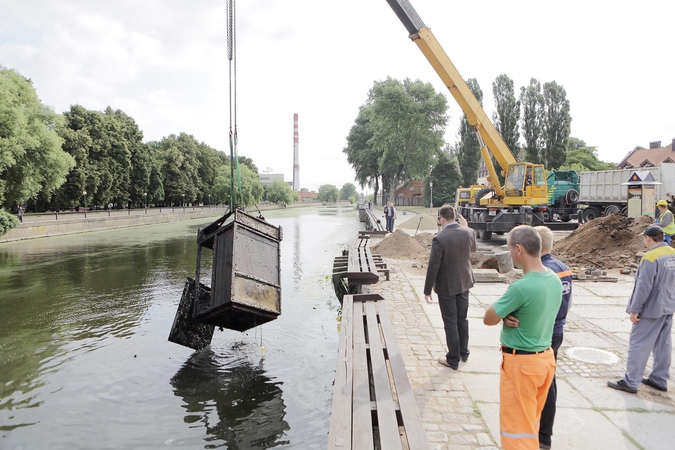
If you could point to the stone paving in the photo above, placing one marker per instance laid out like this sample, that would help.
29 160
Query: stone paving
460 409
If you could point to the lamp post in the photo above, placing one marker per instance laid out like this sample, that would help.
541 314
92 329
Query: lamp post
145 201
183 201
85 203
209 200
431 196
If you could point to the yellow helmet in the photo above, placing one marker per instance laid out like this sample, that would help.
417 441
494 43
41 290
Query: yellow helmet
662 203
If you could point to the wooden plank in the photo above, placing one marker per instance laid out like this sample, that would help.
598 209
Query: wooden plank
367 297
362 426
340 433
412 422
386 408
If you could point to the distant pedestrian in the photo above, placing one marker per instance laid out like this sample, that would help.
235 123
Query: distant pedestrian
665 220
20 213
528 308
390 215
450 275
651 308
565 275
370 204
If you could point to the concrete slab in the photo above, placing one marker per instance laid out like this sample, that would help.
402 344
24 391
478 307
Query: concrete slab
482 335
568 397
595 391
590 299
490 413
484 299
583 429
476 312
653 431
482 387
613 325
586 339
599 312
482 360
489 289
618 289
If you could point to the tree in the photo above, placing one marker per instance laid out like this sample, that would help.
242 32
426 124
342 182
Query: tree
583 158
557 125
446 180
328 193
280 192
397 134
32 161
507 116
532 122
468 148
348 190
251 187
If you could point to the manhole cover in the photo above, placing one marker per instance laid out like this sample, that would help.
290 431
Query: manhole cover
592 355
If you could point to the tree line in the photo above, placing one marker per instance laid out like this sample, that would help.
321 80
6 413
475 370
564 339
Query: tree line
98 159
397 135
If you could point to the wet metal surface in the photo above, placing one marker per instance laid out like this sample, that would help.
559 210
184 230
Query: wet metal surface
84 357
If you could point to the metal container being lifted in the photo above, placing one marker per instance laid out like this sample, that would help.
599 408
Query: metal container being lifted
245 282
245 286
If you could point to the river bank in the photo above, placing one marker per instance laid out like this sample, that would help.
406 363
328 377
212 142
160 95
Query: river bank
58 224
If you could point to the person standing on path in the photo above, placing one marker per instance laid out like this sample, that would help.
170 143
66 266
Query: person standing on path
565 275
665 220
450 275
651 308
528 308
390 215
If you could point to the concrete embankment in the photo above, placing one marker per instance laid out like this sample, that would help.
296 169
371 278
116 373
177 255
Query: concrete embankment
62 224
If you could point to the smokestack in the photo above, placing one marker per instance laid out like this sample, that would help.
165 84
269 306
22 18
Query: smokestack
296 156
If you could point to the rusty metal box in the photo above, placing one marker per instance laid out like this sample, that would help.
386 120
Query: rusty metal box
245 282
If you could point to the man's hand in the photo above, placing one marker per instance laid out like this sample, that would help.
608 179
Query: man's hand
428 298
462 221
635 317
511 321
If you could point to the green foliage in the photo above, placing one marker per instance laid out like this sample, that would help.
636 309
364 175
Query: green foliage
397 134
468 148
583 158
251 187
31 159
7 221
446 180
280 192
557 125
351 199
507 116
328 193
348 190
532 125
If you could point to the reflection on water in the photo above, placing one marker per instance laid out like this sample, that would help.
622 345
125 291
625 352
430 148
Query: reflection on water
85 361
238 404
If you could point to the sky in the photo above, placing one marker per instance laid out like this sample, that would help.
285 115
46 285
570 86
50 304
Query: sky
165 63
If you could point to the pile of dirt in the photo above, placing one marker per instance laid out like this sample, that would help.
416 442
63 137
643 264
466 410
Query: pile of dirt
426 221
606 242
424 239
490 263
400 245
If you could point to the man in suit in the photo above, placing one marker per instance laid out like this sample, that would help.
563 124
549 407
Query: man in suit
450 275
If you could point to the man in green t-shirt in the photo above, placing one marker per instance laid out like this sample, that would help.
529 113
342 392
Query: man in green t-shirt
528 308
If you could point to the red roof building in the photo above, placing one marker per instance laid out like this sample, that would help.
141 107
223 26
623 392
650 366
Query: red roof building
649 157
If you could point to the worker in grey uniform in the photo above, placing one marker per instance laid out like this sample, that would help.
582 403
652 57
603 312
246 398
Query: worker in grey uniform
651 308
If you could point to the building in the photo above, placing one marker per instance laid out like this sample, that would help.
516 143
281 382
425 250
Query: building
308 196
412 194
649 157
268 179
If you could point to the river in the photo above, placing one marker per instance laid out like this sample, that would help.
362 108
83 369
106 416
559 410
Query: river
84 357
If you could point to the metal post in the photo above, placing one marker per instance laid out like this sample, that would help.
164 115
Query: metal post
431 196
183 202
85 203
145 201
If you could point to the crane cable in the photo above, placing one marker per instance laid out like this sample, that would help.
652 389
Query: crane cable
232 57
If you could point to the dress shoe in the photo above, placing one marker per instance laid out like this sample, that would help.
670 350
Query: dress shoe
650 383
544 446
621 386
464 358
445 362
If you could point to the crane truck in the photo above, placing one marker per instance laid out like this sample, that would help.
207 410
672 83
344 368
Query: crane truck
524 197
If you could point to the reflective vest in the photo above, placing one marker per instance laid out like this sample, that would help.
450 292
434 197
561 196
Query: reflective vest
670 228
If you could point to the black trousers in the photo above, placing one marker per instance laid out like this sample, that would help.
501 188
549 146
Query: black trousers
454 309
548 413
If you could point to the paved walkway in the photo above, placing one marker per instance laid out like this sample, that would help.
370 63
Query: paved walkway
460 409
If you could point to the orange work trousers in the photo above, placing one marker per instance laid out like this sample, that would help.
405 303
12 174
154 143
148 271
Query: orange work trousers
523 388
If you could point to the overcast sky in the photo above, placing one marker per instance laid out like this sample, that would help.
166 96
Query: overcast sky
164 63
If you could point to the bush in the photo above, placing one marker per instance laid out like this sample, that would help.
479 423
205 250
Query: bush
7 221
351 199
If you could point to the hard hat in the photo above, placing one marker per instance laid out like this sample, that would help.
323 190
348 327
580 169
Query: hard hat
653 231
662 203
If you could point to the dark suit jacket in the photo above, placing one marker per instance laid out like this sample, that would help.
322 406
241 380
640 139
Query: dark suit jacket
449 271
